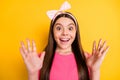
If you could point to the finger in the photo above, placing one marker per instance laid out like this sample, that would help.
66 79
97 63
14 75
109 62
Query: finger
24 48
99 44
94 48
105 51
42 56
28 45
102 47
33 46
22 52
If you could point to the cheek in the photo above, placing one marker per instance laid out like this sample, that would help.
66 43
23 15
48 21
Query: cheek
73 34
73 37
56 35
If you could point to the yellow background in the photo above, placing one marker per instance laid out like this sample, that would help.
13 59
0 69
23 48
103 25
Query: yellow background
21 19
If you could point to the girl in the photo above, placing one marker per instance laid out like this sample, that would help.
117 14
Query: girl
63 57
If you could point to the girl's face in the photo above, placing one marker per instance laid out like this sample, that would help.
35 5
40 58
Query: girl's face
64 32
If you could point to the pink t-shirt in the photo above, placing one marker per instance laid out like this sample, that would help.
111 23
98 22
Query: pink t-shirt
64 67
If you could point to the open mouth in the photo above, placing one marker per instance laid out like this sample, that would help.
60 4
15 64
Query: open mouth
64 40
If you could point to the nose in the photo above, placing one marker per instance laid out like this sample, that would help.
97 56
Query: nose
65 32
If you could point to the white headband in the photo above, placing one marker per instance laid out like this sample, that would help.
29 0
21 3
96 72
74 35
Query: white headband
53 13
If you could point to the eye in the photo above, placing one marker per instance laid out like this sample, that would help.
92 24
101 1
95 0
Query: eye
58 28
70 28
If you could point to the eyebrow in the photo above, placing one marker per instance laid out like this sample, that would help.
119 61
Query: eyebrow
58 24
61 24
72 24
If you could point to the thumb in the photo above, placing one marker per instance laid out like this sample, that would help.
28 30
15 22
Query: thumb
42 55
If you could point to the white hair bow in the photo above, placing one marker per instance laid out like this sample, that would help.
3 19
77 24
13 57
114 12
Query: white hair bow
52 13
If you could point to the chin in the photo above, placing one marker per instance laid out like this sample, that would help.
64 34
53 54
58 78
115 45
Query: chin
64 47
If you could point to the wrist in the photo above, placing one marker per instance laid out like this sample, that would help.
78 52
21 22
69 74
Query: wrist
95 71
95 74
33 75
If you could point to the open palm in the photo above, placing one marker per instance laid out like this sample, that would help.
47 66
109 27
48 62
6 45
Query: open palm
32 60
98 53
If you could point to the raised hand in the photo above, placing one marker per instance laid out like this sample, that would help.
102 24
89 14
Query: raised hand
98 53
32 60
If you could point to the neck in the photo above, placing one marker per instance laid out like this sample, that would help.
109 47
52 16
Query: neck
64 51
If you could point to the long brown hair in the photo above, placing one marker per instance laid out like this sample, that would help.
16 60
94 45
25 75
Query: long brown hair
83 73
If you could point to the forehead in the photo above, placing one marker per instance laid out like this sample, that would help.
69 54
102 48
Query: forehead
64 21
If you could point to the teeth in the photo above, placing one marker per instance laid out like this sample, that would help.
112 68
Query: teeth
65 39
